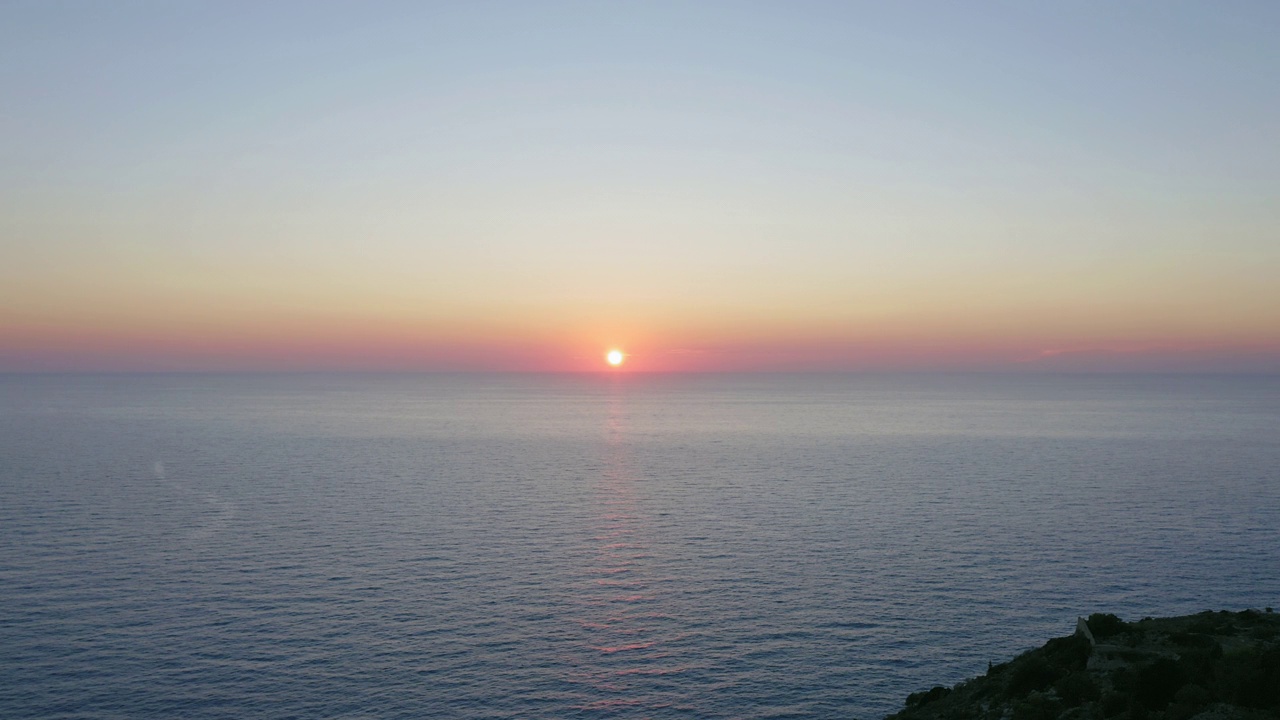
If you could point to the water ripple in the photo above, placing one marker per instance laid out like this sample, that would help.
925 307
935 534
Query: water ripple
211 547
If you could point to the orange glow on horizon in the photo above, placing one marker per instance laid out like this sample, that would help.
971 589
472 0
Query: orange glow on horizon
271 344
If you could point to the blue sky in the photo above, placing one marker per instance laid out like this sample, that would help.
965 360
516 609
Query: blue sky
1078 175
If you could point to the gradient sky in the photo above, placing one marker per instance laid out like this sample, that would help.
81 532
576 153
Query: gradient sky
708 186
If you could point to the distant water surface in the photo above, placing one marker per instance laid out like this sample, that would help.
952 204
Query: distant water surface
412 546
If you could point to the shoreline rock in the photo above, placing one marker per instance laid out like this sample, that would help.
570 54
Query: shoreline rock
1208 666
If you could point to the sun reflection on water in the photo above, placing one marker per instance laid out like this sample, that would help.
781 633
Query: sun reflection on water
629 635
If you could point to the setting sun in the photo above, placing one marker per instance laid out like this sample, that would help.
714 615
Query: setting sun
614 357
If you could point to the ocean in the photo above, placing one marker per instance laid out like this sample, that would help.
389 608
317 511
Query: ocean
602 546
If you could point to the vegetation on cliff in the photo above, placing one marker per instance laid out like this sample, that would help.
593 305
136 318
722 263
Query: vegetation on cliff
1209 666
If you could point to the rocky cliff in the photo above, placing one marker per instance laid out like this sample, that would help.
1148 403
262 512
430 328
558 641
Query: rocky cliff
1209 666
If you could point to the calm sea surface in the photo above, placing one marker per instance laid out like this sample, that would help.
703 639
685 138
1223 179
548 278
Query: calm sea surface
320 546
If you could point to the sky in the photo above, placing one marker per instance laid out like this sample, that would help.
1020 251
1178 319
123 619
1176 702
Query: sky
706 186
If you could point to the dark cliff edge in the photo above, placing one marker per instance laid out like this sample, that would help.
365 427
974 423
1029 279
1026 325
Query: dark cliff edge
1209 666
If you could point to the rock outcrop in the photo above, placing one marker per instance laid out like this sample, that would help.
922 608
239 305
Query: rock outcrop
1209 666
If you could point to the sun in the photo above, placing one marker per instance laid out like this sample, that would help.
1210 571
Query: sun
614 357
